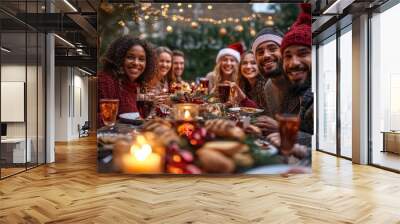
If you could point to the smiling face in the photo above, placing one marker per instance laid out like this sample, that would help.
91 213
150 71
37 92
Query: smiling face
164 63
297 64
228 64
248 66
178 64
269 59
134 62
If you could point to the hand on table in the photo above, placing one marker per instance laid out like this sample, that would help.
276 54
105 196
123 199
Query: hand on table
161 99
275 139
267 124
299 151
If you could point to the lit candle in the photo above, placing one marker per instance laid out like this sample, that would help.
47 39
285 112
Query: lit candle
186 111
187 116
142 159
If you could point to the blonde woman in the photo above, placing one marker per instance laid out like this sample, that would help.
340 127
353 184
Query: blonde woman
226 69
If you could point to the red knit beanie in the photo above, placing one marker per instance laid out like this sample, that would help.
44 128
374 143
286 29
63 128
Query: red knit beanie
300 31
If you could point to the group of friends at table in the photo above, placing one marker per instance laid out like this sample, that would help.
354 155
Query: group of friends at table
274 75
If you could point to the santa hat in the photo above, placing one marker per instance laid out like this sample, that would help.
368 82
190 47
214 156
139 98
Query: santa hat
233 50
300 32
264 35
238 46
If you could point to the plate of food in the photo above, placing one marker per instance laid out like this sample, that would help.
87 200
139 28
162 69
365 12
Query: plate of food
131 118
246 110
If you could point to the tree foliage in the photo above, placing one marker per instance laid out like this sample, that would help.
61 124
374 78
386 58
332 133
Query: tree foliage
200 44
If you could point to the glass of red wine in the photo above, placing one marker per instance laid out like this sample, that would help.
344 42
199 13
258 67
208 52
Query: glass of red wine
224 90
145 105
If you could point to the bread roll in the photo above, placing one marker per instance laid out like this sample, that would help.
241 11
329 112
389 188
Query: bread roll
215 162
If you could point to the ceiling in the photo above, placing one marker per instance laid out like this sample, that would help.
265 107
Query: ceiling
73 20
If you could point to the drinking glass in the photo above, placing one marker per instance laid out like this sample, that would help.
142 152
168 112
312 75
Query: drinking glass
144 104
109 111
224 91
289 125
204 83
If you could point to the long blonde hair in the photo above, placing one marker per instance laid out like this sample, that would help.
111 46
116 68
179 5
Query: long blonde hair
217 78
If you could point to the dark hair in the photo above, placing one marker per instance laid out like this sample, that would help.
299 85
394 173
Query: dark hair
243 83
114 58
178 53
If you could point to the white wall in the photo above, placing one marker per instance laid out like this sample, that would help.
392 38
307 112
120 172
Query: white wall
71 102
34 125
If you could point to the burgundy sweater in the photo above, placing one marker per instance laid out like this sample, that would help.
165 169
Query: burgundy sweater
248 103
112 88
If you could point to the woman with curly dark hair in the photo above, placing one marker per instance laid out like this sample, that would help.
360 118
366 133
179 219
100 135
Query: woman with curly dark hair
127 65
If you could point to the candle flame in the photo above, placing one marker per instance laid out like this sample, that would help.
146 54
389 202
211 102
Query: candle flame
186 115
141 153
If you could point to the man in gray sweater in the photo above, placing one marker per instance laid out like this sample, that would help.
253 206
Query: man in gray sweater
266 48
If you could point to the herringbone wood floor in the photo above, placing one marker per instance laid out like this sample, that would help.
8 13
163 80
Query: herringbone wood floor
71 191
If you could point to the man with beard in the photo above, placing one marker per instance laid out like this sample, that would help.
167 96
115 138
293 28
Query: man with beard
178 65
296 51
266 48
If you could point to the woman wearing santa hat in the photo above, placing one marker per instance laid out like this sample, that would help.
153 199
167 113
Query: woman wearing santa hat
226 68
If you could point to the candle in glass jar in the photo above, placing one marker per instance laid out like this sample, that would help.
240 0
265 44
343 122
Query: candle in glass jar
142 160
187 116
186 111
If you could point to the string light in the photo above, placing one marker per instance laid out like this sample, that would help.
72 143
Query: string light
194 25
253 32
239 28
149 10
169 29
121 23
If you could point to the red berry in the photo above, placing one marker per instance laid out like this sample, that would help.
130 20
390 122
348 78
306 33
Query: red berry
186 155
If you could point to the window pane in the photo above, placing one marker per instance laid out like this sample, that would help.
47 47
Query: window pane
14 153
327 96
346 94
385 84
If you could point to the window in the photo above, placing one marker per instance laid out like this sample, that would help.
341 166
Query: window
327 95
346 92
385 89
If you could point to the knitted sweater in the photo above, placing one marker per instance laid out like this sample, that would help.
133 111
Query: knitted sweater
277 100
109 87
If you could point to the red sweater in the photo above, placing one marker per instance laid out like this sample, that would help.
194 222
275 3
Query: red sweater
112 88
248 103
